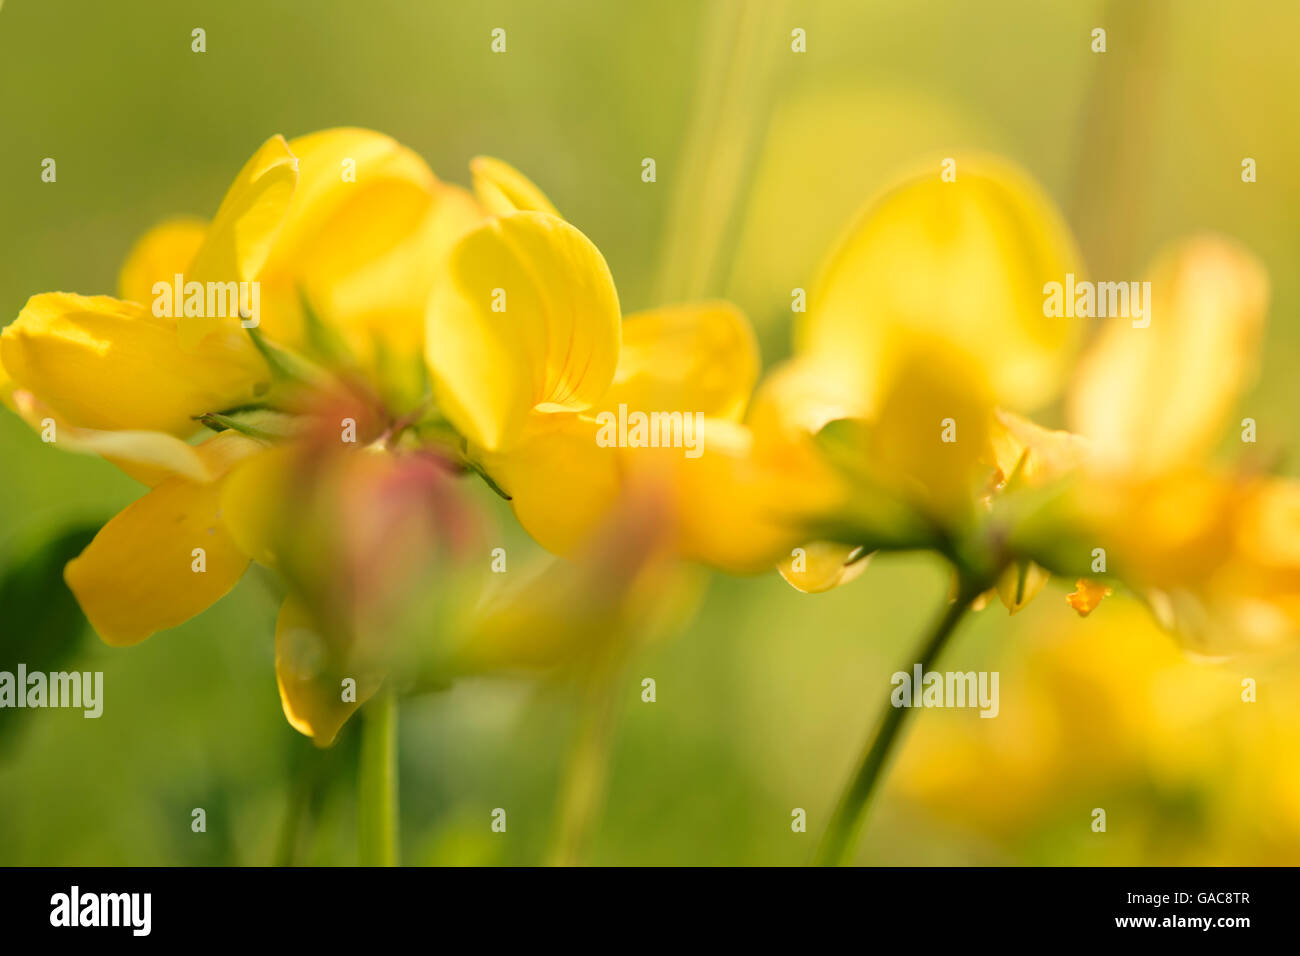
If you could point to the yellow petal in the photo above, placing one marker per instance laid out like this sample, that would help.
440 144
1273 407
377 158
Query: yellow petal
822 565
344 168
797 398
1263 573
736 509
526 317
1156 397
243 230
1086 596
161 253
563 485
378 300
1031 453
817 451
361 240
960 263
148 457
689 358
771 475
253 498
99 362
311 664
930 442
138 575
503 189
1216 556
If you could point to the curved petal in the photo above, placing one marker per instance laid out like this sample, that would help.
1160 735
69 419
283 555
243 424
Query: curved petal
148 457
341 171
960 263
689 358
158 255
1152 398
361 241
383 298
562 483
103 363
808 429
1031 453
737 508
310 669
930 443
526 317
240 238
141 572
796 399
502 189
253 498
822 565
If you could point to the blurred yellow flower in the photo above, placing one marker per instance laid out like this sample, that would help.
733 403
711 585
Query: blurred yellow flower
1212 551
926 323
1113 715
927 336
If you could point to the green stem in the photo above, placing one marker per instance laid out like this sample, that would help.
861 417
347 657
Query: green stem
586 774
377 782
845 825
297 810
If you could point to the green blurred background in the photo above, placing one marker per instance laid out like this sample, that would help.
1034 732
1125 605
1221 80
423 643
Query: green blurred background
762 155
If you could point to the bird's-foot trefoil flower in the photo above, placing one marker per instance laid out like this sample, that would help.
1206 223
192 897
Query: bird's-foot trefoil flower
340 232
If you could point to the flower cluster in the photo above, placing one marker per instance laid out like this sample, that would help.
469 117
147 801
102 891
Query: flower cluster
928 341
408 331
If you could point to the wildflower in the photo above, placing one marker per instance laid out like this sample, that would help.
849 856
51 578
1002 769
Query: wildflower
110 376
929 316
530 358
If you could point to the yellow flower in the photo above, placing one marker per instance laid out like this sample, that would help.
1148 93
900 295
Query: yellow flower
925 327
930 316
1151 400
535 366
355 248
959 265
110 377
1213 552
130 381
1139 739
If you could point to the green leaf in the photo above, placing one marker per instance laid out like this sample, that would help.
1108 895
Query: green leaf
263 423
41 624
288 365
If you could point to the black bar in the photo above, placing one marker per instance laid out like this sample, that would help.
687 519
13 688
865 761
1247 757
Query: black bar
331 906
